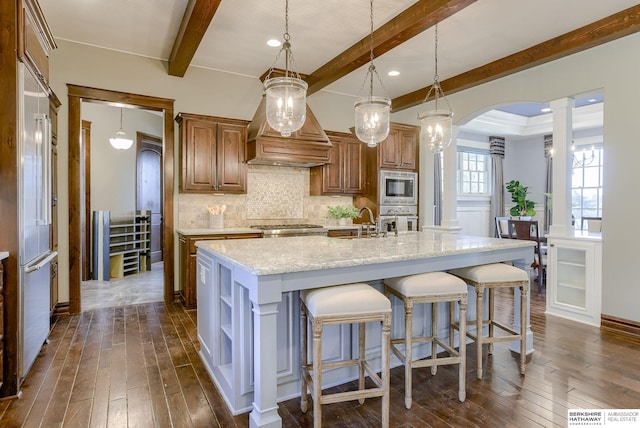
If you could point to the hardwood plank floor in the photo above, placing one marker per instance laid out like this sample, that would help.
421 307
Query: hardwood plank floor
138 366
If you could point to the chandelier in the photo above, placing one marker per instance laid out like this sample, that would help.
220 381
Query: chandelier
582 157
372 112
286 96
120 141
436 124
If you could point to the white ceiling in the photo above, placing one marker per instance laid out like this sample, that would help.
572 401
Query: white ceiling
236 39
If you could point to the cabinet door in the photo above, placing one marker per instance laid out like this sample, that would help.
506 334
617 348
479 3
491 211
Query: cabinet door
388 153
198 155
53 231
333 172
354 166
232 171
407 146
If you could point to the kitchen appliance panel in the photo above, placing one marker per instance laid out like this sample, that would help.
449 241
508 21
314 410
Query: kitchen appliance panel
35 300
34 190
398 188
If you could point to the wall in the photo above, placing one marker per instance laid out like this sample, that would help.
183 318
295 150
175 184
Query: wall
613 66
113 172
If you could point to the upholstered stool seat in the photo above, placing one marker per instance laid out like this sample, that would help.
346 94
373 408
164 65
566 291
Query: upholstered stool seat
430 288
492 276
343 304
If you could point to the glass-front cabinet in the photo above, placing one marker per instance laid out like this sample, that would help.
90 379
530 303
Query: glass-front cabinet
574 283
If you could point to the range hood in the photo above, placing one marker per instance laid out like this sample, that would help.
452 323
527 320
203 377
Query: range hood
309 146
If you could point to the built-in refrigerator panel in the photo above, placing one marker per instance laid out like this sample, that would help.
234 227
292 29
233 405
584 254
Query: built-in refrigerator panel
34 213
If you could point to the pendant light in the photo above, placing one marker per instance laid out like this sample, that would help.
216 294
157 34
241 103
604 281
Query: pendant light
286 96
371 112
436 125
582 158
120 140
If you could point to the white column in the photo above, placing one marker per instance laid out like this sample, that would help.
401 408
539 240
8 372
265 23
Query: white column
425 186
562 166
450 192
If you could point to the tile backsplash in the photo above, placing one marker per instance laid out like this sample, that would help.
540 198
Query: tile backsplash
274 195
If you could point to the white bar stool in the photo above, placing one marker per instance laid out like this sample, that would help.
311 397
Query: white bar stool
343 304
492 276
430 288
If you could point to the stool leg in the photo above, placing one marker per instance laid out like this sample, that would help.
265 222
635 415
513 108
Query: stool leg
523 328
452 307
479 335
491 317
317 374
434 333
462 369
304 403
361 352
386 381
408 352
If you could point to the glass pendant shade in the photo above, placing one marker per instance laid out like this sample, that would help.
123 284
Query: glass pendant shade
435 129
286 104
372 116
120 140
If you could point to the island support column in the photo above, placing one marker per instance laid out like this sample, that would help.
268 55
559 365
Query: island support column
265 325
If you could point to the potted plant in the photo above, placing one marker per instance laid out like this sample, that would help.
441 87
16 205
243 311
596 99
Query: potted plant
343 213
523 207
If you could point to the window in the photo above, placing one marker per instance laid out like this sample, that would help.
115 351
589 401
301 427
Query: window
473 173
586 184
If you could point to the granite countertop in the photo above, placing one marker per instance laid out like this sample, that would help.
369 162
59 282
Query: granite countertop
225 231
4 255
307 253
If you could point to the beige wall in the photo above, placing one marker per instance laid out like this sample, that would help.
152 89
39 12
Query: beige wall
614 67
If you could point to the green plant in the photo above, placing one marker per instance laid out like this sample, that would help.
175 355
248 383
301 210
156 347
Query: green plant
338 212
523 206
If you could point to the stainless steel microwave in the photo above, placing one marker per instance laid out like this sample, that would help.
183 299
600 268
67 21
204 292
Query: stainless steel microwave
398 187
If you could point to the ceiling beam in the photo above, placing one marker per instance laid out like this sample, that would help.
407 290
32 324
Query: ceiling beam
412 21
605 30
195 22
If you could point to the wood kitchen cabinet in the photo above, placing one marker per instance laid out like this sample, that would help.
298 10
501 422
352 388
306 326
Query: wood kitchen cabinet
345 172
34 39
212 154
187 261
54 105
342 233
400 149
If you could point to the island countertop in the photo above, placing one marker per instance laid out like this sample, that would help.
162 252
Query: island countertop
307 253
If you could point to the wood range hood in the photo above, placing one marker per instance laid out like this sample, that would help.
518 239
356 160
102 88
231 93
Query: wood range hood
307 147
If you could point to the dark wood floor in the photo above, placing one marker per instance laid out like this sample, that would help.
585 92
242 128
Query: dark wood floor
138 366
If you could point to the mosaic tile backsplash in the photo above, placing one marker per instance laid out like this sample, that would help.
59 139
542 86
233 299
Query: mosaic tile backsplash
274 195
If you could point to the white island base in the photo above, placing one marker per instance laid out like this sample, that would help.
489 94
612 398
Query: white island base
248 309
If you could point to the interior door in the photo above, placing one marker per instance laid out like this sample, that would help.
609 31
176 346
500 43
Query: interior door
149 187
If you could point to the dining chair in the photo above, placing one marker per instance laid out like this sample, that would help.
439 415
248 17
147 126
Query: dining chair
528 230
594 224
502 227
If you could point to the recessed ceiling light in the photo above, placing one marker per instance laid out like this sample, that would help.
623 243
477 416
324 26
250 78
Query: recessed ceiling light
545 110
592 100
274 43
393 73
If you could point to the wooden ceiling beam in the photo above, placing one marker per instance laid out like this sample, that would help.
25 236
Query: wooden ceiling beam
412 21
605 30
195 22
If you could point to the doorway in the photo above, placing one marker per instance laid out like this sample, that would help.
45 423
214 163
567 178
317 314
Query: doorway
77 217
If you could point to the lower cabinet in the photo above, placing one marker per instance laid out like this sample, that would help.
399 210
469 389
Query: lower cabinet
342 233
1 323
574 278
187 261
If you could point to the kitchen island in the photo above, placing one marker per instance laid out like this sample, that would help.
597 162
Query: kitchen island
247 301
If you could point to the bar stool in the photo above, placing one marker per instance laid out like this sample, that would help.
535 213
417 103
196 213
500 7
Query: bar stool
492 276
430 288
343 304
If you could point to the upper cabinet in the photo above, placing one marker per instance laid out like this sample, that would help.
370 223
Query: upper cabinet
212 154
400 149
35 40
345 172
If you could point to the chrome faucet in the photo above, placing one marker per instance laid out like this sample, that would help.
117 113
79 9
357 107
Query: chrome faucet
371 222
